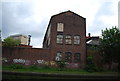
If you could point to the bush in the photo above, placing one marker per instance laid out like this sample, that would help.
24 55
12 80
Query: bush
90 64
61 65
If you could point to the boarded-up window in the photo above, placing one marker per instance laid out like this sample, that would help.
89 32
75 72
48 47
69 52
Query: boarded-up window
60 27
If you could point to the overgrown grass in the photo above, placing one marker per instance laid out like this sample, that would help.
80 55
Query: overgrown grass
47 69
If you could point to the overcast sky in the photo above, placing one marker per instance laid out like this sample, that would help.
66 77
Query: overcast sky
32 16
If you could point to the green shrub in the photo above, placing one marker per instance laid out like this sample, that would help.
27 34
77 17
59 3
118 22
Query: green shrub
91 67
61 65
16 66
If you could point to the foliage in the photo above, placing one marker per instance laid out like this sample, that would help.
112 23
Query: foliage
61 65
42 69
90 64
10 42
110 45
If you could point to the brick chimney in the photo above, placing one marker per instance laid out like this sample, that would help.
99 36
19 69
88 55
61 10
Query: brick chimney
89 35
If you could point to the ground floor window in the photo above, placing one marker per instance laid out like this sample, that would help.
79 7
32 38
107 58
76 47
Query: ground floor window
58 56
68 57
77 57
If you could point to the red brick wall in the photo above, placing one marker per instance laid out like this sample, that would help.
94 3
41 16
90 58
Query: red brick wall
73 25
31 54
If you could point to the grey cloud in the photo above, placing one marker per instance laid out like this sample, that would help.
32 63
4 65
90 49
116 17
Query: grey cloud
11 22
24 10
13 16
104 10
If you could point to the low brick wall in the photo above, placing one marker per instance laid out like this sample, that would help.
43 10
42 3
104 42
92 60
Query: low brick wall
25 55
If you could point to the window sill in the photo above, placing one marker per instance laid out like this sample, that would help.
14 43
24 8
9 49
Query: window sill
68 44
77 44
59 44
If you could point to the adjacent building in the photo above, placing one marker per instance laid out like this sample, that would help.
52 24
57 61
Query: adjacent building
23 39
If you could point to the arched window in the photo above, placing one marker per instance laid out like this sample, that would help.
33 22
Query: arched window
58 56
77 57
59 39
76 39
68 57
68 39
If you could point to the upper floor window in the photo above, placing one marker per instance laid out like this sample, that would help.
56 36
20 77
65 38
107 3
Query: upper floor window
76 39
60 27
59 39
68 56
68 39
58 56
77 57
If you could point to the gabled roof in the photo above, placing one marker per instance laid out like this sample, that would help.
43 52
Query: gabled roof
93 40
68 13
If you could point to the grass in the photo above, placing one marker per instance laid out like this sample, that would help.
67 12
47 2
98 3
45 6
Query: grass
46 69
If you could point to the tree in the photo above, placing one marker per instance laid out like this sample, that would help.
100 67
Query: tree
10 42
110 45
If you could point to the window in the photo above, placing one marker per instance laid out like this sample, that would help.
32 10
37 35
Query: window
59 39
68 57
77 57
76 39
60 27
68 39
58 56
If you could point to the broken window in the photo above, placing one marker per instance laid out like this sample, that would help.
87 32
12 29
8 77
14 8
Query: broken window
58 56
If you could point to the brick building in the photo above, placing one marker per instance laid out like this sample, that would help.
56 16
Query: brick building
64 40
